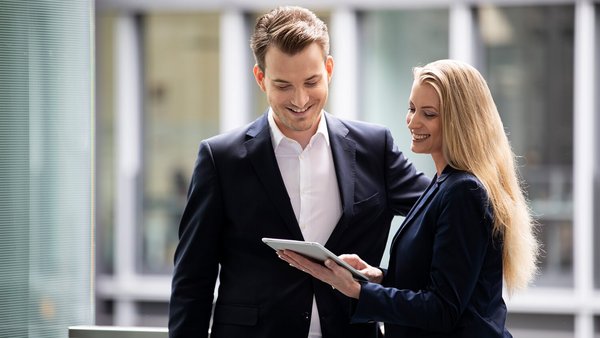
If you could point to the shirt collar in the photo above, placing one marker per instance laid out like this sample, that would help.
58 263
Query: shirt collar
277 136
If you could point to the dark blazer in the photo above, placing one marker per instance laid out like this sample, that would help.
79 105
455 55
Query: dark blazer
237 196
445 273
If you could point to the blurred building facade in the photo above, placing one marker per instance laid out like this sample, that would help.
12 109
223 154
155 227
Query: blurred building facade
171 73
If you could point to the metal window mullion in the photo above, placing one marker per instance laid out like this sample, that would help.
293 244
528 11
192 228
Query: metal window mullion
583 166
235 70
129 161
461 42
344 100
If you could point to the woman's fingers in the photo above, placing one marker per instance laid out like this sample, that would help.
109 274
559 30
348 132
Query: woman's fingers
329 272
317 270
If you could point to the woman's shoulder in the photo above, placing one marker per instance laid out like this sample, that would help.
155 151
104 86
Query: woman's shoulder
463 192
456 176
460 182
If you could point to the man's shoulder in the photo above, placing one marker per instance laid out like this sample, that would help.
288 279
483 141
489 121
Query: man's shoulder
227 136
240 134
356 125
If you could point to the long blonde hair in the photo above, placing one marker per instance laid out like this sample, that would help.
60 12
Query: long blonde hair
474 140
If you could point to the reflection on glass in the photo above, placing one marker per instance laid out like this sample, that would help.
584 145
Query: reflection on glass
528 58
181 107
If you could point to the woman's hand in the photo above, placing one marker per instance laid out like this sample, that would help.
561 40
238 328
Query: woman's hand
375 275
330 273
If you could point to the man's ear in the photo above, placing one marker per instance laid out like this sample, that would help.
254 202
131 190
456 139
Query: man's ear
329 67
259 76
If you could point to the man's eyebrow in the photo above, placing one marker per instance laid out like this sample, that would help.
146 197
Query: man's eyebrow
313 77
280 81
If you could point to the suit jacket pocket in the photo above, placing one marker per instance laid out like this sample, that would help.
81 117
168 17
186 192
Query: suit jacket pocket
236 314
367 204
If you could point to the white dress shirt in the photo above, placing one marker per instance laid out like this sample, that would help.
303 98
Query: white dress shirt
311 183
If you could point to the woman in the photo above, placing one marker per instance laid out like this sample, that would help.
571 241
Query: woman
470 231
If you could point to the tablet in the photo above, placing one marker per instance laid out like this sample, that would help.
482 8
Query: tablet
312 250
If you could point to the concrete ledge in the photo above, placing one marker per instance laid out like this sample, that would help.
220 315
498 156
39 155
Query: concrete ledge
117 332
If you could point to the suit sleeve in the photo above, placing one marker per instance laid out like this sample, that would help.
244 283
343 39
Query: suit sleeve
196 256
404 183
462 237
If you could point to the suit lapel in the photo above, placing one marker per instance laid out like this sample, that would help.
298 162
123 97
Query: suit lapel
343 151
261 155
417 208
423 201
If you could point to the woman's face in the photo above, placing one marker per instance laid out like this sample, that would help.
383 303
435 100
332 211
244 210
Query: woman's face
424 120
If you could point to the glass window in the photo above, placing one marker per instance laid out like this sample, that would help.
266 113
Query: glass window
46 169
181 107
105 147
541 325
528 62
392 43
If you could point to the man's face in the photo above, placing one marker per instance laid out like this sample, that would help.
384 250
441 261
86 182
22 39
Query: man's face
296 87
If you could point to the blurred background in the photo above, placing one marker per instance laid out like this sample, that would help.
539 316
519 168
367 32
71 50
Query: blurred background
158 76
191 65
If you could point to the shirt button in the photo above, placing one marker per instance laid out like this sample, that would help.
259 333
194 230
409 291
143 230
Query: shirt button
306 315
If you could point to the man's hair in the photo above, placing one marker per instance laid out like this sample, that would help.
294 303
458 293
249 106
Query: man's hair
290 29
474 140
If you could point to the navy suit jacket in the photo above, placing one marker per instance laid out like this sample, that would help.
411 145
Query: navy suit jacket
237 196
445 273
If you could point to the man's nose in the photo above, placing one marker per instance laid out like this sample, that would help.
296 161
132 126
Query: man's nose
300 98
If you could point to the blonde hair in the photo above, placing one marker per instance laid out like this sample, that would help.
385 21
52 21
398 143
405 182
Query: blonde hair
474 140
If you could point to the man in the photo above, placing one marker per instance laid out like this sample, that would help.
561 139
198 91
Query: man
294 173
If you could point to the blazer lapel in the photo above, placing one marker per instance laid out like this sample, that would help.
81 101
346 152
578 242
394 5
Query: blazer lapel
343 151
423 201
261 155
